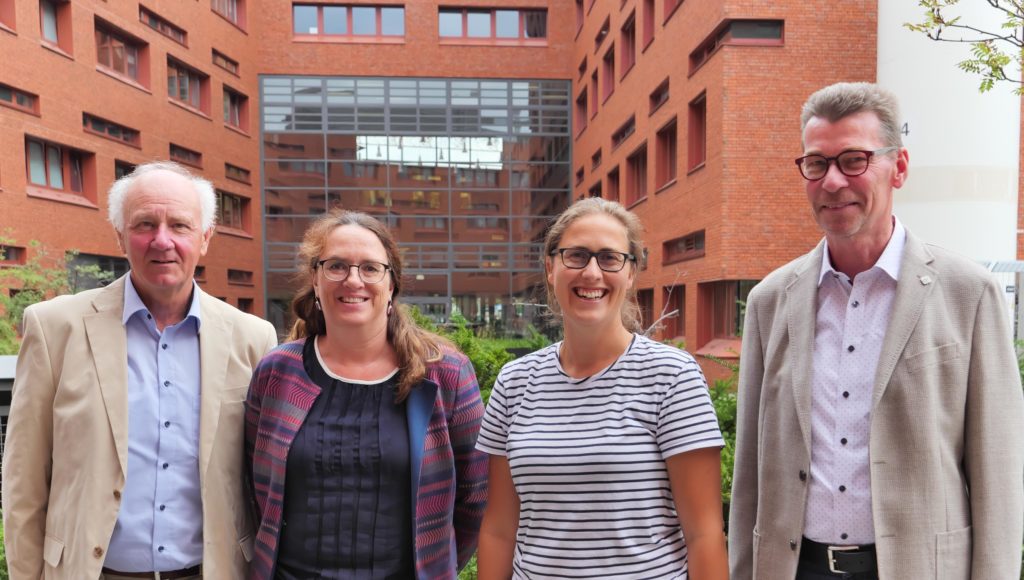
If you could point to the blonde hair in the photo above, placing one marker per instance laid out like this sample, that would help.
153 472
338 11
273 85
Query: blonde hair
416 348
634 230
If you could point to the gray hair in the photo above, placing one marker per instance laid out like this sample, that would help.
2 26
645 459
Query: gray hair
119 192
841 100
590 206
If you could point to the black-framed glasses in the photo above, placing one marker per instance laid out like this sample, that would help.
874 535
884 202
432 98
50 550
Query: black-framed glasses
851 163
607 260
337 270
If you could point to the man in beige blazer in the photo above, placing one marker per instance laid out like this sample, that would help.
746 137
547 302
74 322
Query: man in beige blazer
81 488
881 420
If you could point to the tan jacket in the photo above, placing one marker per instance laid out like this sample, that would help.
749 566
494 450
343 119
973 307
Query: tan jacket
66 452
947 426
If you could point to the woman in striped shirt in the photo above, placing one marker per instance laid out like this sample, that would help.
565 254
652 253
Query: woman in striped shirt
604 447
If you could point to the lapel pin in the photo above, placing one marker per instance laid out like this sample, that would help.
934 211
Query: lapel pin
926 280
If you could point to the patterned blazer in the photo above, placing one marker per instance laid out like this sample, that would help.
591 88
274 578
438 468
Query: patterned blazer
449 475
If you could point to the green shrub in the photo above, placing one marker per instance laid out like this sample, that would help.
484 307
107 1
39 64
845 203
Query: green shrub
3 553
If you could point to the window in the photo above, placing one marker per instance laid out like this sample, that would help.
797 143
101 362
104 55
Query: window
645 300
83 269
628 45
237 173
648 22
579 16
240 277
12 255
186 156
55 23
728 298
594 94
675 299
231 211
581 112
583 67
737 32
18 99
697 133
624 131
636 176
110 130
200 275
683 248
228 64
658 96
602 33
670 8
122 168
595 190
337 21
245 305
595 160
608 72
579 176
236 109
119 53
232 10
501 25
161 25
56 167
613 184
665 172
187 86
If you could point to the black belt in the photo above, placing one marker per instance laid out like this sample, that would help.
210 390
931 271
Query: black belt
183 573
839 559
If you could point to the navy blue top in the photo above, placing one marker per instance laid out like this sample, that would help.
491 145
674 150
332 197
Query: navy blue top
347 506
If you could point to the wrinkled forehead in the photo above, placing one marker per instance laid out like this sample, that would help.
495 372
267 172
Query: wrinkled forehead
163 193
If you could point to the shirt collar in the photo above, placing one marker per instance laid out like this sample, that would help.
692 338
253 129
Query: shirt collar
133 303
888 262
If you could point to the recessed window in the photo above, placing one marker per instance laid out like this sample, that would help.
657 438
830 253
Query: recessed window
186 156
658 96
602 33
683 248
624 131
55 23
675 300
697 133
122 168
670 8
110 130
232 10
231 211
595 160
18 99
581 112
636 176
727 300
737 32
627 44
579 176
236 109
583 67
224 62
645 300
595 190
163 26
200 274
613 184
608 72
60 168
121 54
347 22
12 255
187 86
500 24
594 94
245 305
580 17
240 277
665 172
648 22
237 173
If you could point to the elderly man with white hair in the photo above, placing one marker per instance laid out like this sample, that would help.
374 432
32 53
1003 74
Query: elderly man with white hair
124 448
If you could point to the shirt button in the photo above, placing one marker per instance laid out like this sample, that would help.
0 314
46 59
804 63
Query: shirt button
163 346
803 475
162 507
842 488
846 394
117 494
850 348
166 465
843 440
855 304
167 383
160 549
844 535
167 423
149 317
97 552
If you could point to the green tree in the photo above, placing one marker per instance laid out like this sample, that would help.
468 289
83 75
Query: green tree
996 51
41 277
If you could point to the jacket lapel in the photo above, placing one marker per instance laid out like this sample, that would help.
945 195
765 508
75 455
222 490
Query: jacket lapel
109 347
802 296
915 284
214 345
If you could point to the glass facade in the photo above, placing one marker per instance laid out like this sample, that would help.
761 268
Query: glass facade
467 173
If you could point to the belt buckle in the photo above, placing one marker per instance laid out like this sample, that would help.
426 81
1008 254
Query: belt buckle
831 550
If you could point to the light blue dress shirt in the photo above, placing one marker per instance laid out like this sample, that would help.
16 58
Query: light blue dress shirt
160 523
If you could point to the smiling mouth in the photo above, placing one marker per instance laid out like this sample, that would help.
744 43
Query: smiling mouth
828 206
352 300
590 293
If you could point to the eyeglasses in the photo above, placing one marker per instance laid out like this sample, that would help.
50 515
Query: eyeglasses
338 270
850 163
607 260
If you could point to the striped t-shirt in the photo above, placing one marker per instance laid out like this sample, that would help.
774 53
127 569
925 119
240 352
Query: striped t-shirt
588 460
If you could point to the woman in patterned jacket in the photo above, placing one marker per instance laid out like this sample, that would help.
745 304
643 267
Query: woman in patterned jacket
605 446
360 433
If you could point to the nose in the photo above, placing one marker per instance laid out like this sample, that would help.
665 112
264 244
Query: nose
834 180
162 238
353 278
592 269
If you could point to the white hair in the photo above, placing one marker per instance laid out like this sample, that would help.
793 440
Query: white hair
119 192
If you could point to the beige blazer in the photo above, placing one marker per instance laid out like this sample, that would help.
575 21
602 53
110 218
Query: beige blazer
946 441
66 452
